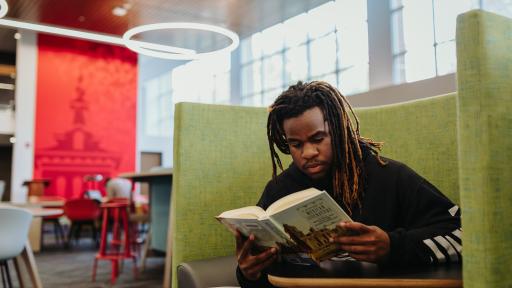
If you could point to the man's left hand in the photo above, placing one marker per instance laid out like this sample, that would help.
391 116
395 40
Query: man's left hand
365 243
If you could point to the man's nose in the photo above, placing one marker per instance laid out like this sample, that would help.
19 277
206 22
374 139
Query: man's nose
309 151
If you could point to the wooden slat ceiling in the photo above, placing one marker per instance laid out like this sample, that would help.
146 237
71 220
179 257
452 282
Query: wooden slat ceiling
242 16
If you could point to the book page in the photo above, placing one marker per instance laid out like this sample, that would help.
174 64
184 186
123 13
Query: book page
291 199
249 212
265 234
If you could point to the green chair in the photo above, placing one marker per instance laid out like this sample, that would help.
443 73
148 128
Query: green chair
460 141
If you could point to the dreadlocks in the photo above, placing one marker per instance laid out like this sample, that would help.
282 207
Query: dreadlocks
347 165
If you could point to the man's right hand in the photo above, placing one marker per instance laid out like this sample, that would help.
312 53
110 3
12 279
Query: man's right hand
252 265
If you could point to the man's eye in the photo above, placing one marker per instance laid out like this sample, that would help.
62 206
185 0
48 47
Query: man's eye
318 139
295 144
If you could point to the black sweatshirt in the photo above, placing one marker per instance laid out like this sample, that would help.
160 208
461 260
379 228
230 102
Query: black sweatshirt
423 225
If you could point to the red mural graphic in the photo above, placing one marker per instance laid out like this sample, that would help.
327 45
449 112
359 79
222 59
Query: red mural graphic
85 113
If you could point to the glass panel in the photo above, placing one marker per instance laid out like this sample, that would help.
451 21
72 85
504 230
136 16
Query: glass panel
502 7
399 69
270 96
256 45
329 78
446 59
417 20
272 39
222 88
352 34
323 55
445 14
273 72
294 32
251 100
322 20
296 64
354 80
350 15
352 49
251 78
397 32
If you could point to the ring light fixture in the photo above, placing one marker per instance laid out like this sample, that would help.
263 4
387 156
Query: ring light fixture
135 46
142 47
3 8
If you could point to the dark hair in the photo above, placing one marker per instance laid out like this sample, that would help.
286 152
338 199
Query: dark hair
347 165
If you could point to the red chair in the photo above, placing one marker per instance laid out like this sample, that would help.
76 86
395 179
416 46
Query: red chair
82 212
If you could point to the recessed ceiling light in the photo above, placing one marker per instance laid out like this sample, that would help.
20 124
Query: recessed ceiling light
17 35
119 11
12 140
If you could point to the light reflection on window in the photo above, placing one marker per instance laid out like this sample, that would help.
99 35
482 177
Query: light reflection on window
329 43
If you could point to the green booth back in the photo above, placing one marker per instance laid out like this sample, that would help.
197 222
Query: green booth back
421 134
221 162
484 73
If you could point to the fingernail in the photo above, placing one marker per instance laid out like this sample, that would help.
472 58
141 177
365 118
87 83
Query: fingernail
273 250
251 237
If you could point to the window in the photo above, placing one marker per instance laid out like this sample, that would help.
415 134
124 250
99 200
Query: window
423 37
205 81
158 106
327 43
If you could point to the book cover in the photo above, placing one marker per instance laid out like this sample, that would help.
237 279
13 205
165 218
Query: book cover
302 222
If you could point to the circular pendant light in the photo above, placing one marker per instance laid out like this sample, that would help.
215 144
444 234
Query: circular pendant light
162 53
3 8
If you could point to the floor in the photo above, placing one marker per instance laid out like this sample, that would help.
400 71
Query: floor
72 267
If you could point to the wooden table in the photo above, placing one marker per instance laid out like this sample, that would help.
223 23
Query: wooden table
349 273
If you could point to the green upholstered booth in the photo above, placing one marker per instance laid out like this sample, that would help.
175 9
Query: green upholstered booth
461 142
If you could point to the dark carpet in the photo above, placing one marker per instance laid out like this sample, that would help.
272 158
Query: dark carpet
72 267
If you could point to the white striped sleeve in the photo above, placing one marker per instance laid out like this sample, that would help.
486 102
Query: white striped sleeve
457 233
455 244
440 256
452 253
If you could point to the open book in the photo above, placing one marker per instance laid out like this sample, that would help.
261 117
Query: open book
302 222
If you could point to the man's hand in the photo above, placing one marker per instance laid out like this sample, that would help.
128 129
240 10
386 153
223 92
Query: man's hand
252 265
366 243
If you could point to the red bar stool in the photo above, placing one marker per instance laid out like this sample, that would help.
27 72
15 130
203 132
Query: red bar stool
120 246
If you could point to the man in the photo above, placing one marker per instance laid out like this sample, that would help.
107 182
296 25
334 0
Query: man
399 217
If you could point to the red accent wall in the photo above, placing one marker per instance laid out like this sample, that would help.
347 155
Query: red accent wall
86 101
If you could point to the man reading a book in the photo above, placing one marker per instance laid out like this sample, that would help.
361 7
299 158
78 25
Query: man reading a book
399 217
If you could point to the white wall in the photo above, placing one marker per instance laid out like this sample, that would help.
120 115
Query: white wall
25 97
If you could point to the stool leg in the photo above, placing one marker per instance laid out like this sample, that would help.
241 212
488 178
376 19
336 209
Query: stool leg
104 231
9 282
94 268
115 271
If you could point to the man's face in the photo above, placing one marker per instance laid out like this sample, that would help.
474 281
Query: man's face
310 142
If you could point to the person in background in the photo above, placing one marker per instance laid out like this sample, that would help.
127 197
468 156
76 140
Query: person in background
399 217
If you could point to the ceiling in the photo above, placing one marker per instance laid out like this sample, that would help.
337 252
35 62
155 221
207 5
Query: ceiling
241 16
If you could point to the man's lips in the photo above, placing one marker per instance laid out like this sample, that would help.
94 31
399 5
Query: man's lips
313 165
